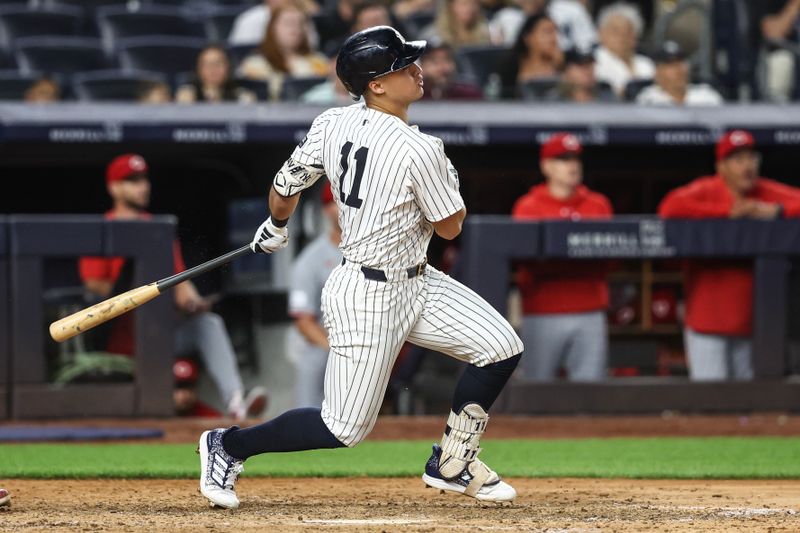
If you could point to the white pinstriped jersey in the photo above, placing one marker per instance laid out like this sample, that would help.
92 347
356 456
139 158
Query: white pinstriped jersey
389 180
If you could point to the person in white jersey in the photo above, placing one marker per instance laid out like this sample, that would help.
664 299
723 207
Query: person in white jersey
394 187
308 340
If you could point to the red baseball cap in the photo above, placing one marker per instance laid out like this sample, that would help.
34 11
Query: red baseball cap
125 166
325 194
559 145
733 141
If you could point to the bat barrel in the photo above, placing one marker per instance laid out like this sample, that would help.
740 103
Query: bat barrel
86 319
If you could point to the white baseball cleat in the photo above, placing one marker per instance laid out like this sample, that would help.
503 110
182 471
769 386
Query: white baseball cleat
218 470
475 480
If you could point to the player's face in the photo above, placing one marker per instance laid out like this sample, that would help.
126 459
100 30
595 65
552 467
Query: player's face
403 86
740 170
135 192
565 172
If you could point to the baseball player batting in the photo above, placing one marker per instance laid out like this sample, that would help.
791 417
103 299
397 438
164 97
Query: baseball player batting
394 187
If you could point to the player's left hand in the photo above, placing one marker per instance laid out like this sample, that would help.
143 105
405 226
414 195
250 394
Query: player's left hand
269 238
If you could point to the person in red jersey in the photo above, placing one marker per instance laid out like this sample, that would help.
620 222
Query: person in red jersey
719 293
564 302
200 330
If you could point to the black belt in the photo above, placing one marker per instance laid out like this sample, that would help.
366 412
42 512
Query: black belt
379 275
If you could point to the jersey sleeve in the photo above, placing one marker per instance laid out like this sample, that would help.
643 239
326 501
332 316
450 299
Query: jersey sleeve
434 181
305 166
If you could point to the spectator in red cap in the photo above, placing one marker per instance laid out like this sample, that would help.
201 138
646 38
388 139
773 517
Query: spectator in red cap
308 341
564 302
719 293
199 330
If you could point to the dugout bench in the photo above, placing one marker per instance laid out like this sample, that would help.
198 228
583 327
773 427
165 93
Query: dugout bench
492 242
27 243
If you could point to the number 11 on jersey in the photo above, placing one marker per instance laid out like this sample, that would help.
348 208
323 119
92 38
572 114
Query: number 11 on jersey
360 156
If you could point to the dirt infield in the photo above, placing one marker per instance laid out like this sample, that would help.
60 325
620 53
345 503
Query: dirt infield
395 504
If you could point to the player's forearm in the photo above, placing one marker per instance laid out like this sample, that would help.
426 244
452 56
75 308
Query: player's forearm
779 25
282 207
312 331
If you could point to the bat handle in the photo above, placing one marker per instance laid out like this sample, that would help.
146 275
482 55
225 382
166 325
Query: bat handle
68 327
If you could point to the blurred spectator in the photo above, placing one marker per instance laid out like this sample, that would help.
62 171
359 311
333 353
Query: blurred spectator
365 14
308 340
672 85
617 62
439 72
250 25
780 21
334 25
404 8
329 92
719 293
212 81
199 330
564 302
535 55
459 23
285 51
43 91
578 83
155 93
369 14
575 26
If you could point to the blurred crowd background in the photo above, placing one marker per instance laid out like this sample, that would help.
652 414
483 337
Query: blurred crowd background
698 52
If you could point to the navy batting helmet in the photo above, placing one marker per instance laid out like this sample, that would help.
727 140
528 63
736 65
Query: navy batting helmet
374 52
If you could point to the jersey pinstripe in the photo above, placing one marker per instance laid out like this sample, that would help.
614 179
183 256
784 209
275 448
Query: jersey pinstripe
389 180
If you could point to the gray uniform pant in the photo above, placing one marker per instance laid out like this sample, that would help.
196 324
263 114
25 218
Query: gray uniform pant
309 363
718 357
576 341
205 334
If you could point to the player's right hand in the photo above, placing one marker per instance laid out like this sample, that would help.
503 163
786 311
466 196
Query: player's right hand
269 238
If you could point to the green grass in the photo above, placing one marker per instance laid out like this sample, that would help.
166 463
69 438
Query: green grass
680 458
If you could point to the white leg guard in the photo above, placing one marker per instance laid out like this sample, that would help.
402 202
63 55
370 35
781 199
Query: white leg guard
456 467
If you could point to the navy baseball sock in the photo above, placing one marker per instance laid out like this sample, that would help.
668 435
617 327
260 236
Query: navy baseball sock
293 431
482 384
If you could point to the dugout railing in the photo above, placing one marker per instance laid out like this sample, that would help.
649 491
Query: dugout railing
491 243
29 246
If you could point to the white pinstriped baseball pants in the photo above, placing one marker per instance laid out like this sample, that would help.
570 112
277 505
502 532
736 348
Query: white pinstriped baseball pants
368 321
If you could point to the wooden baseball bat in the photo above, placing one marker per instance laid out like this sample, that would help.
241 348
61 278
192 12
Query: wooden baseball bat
86 319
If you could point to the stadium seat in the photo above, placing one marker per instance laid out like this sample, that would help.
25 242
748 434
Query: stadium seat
113 84
479 62
60 55
219 22
634 87
21 21
13 84
293 88
237 53
168 55
538 89
118 23
736 45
